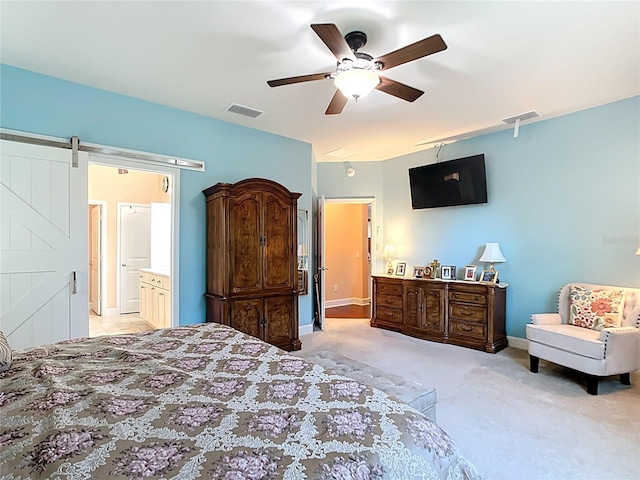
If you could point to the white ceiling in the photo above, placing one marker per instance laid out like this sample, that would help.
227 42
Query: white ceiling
504 58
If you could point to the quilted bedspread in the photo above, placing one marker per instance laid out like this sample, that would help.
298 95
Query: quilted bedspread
205 402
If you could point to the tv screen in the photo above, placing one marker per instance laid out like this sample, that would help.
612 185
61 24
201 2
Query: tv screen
455 182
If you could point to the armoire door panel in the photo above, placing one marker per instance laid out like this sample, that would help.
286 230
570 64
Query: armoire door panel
279 254
278 312
245 243
247 316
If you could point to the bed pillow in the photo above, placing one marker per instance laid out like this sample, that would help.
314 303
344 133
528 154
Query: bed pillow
5 353
594 308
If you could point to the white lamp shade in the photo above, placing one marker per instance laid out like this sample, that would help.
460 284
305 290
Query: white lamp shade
356 82
492 254
389 252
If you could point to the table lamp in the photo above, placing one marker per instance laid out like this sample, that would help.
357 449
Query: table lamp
492 254
389 254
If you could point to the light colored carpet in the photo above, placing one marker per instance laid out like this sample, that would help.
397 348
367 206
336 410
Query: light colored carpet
511 423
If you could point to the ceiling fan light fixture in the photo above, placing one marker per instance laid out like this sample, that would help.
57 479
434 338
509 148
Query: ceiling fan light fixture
356 82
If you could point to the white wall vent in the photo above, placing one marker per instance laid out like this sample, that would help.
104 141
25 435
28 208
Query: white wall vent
242 110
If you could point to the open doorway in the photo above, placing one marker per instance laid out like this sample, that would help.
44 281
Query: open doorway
348 258
130 245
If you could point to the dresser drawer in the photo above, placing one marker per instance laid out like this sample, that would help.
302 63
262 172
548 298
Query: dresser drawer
467 312
476 298
389 314
467 329
391 301
389 288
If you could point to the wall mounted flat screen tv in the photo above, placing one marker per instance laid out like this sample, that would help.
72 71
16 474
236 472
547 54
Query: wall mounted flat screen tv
455 182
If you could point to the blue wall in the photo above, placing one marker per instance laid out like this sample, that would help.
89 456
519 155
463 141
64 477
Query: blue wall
564 204
45 105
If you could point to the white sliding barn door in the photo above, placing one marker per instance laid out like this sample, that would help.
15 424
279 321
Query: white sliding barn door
43 244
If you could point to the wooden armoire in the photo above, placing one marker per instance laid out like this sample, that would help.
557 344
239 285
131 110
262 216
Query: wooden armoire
251 260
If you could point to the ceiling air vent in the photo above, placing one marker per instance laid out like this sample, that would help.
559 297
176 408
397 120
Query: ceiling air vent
521 116
516 119
242 110
341 153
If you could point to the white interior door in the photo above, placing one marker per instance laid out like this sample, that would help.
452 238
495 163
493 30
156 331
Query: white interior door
43 244
321 263
135 253
95 254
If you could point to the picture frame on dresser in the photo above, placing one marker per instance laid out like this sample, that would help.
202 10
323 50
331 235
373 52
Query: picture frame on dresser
401 267
470 272
489 276
445 272
418 272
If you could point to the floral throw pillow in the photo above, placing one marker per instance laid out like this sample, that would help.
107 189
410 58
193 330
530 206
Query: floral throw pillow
5 354
596 309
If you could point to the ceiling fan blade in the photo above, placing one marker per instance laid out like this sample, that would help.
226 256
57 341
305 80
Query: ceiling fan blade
333 39
427 46
337 104
299 79
397 89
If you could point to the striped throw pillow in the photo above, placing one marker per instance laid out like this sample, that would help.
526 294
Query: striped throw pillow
5 353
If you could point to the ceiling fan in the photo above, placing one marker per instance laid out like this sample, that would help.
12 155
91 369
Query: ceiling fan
356 74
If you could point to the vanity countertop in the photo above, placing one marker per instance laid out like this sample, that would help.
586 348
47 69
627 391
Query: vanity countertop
156 271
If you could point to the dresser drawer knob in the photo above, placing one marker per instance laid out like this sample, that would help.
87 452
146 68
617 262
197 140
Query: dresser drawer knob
467 328
476 298
468 313
389 314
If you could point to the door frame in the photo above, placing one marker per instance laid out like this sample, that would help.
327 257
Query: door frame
174 181
375 236
103 256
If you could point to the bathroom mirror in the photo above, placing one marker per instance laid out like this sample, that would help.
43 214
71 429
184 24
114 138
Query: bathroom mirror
303 251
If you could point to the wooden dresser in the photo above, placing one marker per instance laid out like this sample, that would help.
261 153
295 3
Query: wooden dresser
252 280
462 313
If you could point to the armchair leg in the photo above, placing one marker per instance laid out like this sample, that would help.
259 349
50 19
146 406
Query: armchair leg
625 378
592 385
533 363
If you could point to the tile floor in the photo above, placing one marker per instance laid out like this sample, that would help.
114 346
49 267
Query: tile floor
130 323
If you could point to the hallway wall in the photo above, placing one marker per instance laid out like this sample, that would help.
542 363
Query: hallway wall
346 252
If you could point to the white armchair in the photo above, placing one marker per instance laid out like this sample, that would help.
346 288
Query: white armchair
598 353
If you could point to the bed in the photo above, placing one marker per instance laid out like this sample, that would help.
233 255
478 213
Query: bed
205 401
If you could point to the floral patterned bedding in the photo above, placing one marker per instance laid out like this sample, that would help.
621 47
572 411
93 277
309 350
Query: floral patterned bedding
205 402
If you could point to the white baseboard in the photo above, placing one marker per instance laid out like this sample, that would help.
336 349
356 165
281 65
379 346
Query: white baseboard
111 312
517 342
341 302
305 329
